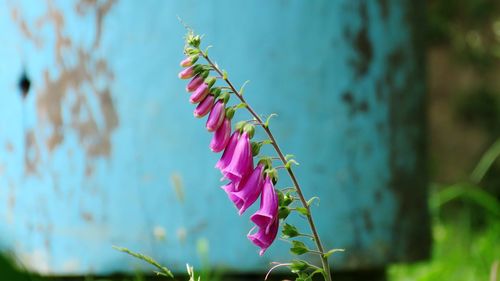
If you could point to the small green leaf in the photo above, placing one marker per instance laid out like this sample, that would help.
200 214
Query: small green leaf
224 74
289 231
298 248
302 210
242 89
240 105
268 119
298 266
206 50
288 198
283 212
290 162
163 270
310 201
329 253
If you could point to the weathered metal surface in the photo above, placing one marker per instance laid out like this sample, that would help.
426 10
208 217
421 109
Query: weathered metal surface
103 149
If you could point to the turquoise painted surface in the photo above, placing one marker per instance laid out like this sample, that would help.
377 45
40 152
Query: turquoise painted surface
104 150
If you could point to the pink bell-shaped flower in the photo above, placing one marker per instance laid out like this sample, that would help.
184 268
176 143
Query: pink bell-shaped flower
194 83
245 193
221 136
268 211
241 160
187 73
199 94
204 107
216 116
262 238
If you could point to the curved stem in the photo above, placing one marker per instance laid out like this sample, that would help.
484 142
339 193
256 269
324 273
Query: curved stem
324 260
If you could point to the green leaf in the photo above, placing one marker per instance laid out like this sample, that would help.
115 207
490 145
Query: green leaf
224 74
289 156
302 211
289 231
268 119
298 266
486 161
298 248
288 198
240 105
310 201
329 253
290 162
242 89
283 212
163 270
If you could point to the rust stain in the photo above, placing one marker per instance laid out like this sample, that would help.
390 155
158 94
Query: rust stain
23 26
355 105
31 153
101 8
74 87
88 217
9 147
361 43
408 181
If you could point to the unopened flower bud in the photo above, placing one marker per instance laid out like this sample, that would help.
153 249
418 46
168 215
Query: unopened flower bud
239 126
229 113
255 148
273 174
221 136
189 60
191 51
249 129
224 97
199 94
266 161
194 83
215 92
210 81
187 73
216 117
204 107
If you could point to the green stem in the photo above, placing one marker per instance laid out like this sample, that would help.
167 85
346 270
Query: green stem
324 260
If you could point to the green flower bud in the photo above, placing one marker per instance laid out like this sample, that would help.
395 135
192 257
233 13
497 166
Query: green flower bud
215 92
210 81
229 113
249 129
273 174
224 97
266 161
255 148
239 126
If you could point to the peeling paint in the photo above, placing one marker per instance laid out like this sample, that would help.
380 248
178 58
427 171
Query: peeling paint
31 153
72 80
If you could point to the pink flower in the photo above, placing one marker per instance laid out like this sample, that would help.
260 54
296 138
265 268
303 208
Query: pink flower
199 94
221 136
246 192
204 107
237 161
268 211
187 73
194 83
189 61
228 152
216 116
262 238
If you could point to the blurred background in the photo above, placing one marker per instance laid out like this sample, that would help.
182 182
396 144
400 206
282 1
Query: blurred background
454 50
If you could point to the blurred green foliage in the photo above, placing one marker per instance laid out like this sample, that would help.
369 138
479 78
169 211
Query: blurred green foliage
466 230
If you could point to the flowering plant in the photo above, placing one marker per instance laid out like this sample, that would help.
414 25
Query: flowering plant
211 90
